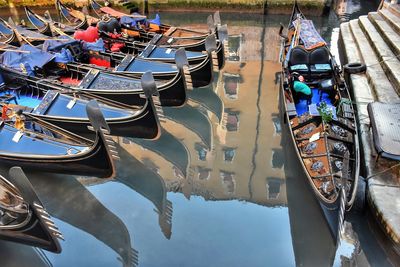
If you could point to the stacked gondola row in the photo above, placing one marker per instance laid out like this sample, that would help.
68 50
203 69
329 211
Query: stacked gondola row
65 88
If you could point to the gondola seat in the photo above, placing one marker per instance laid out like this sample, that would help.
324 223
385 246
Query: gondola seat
298 61
320 63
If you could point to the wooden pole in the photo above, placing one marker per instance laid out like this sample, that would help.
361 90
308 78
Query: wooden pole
146 7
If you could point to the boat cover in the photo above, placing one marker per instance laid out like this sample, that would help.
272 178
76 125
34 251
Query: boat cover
115 13
30 34
31 57
56 45
132 22
309 35
385 122
94 46
64 56
140 65
157 20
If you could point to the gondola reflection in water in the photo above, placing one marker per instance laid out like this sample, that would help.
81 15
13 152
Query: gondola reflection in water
23 218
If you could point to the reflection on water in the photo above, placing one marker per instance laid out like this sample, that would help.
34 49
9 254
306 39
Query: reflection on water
221 187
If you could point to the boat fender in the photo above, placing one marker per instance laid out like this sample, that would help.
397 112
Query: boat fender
4 110
149 85
211 43
354 68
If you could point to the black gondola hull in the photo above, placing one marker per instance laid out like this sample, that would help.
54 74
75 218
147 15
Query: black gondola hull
143 124
96 163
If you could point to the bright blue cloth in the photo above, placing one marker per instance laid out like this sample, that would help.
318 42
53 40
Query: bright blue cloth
157 20
95 46
131 22
64 56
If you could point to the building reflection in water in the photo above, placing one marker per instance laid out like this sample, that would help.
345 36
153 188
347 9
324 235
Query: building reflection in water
226 160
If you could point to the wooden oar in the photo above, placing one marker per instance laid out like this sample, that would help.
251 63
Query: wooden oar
14 50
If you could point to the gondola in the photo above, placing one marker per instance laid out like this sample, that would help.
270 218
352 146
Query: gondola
173 38
129 65
114 86
202 64
65 107
165 29
23 218
322 126
38 145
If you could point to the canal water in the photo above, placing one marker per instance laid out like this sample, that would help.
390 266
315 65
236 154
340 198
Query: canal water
221 187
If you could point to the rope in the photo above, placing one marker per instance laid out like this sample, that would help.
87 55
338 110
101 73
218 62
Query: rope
379 62
381 172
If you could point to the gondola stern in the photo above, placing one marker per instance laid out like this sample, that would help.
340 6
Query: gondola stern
210 24
183 65
102 129
153 96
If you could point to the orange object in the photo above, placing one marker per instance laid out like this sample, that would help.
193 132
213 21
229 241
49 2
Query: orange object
19 123
4 112
131 33
154 27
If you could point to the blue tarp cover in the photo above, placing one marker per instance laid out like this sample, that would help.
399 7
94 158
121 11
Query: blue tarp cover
64 56
95 46
157 20
35 58
56 45
131 22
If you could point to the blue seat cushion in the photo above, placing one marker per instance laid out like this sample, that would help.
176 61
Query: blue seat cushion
320 68
299 67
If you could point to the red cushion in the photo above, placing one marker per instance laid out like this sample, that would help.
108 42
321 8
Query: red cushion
89 35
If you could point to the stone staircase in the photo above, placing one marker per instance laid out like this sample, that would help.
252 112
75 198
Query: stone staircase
375 41
377 44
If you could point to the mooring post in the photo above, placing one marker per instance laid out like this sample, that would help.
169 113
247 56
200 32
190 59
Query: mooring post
146 7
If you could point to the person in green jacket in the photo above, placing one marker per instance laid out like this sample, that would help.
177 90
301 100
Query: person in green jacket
299 86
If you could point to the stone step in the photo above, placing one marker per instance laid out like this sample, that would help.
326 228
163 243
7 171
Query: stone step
362 92
388 60
395 9
391 18
351 53
391 37
382 89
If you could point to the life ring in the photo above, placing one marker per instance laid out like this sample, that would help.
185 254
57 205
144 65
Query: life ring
354 68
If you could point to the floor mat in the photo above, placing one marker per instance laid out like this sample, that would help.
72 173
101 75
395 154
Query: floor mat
302 106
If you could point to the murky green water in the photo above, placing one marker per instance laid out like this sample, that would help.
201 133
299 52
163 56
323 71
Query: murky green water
221 187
